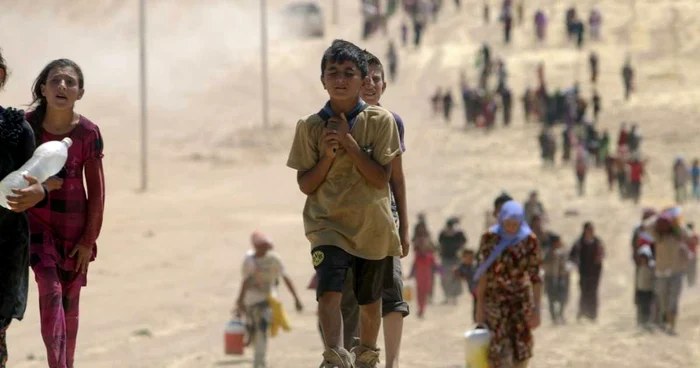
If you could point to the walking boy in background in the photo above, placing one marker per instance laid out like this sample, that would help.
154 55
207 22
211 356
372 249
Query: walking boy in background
343 156
465 271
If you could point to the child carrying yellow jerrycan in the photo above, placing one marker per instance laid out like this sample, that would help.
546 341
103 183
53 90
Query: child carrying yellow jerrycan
477 347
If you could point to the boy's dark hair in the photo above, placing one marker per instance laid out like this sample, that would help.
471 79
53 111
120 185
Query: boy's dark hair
3 67
342 50
373 60
467 251
501 199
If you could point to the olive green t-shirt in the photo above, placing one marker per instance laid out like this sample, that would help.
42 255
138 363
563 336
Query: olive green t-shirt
346 211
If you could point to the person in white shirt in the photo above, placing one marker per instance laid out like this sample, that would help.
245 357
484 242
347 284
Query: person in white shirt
262 270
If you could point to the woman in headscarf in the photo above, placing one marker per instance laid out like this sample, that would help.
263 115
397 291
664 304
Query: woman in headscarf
587 253
509 287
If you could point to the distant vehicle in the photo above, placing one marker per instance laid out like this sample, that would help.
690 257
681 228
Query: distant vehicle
305 17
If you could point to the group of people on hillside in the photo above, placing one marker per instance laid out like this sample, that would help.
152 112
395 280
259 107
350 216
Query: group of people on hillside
482 102
664 251
50 227
581 141
420 13
375 15
574 24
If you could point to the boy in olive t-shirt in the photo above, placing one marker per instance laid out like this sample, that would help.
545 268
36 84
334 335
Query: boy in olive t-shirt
343 156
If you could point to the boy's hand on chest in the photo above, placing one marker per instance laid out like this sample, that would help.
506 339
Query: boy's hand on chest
340 125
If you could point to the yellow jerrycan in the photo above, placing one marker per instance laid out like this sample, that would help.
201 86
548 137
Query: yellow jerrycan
476 347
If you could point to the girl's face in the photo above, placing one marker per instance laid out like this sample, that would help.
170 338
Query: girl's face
511 226
61 88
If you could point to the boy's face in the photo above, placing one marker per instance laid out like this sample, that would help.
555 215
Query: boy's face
342 80
372 91
261 249
468 258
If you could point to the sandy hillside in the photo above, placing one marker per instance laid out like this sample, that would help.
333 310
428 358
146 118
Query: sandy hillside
167 272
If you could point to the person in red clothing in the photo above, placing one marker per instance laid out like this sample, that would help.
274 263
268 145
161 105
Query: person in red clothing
622 138
424 268
64 231
636 175
693 247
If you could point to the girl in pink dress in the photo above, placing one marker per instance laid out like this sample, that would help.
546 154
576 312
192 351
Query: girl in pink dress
424 267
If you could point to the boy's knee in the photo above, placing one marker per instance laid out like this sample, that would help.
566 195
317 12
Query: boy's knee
330 299
372 308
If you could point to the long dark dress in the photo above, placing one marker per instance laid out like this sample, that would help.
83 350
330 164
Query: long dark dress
588 256
450 246
16 147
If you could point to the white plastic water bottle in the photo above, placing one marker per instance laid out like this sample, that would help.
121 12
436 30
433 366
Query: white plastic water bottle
48 159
